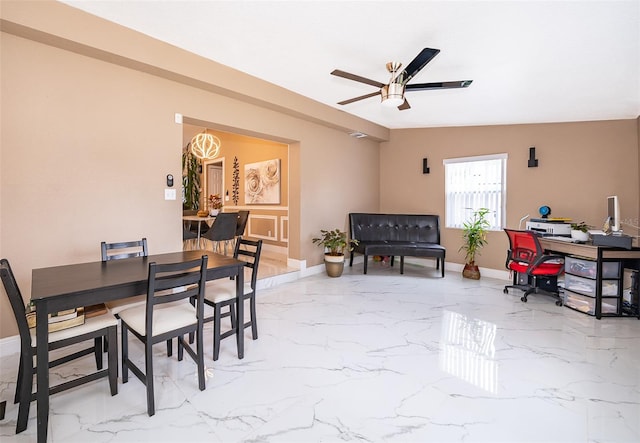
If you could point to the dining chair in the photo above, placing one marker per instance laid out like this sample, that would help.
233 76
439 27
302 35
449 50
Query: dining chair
243 218
222 230
167 314
96 328
188 237
120 251
222 293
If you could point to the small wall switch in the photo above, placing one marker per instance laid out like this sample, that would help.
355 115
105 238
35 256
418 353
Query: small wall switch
169 194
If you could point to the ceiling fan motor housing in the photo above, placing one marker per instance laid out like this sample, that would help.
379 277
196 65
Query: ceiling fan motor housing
392 94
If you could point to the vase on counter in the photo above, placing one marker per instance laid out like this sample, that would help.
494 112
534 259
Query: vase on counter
213 212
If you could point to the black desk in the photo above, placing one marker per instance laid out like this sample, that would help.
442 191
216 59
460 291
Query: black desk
629 258
71 286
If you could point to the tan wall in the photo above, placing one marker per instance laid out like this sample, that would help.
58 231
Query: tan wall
580 164
88 138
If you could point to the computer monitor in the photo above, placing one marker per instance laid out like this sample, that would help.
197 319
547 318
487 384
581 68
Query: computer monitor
613 213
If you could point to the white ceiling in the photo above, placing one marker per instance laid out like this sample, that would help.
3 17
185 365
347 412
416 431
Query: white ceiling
530 61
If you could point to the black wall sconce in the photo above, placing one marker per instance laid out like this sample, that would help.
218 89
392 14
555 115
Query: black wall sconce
425 166
533 161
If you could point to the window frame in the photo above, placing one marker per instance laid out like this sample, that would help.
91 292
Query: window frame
501 217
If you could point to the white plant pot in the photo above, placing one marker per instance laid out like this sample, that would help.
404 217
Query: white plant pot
213 212
579 235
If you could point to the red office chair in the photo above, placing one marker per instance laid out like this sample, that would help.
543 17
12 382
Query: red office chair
526 257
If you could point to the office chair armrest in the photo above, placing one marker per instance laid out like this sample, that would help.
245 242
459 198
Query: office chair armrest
545 259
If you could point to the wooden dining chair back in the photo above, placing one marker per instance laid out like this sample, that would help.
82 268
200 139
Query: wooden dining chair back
222 230
95 328
120 250
221 294
167 314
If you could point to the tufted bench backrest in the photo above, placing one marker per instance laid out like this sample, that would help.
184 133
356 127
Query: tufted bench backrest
395 227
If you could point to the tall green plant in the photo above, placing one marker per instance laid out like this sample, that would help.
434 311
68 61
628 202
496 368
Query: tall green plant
474 233
190 180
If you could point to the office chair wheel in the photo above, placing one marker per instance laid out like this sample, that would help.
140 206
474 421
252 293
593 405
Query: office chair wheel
559 303
523 299
505 290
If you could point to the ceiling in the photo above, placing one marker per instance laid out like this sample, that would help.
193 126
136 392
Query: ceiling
530 61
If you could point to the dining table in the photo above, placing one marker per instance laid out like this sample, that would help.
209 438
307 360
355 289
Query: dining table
71 286
197 218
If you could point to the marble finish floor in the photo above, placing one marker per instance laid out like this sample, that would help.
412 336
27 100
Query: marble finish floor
381 357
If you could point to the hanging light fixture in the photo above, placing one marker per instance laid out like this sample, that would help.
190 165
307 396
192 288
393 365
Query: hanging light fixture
205 146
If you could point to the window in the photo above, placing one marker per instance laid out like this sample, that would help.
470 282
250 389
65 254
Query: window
472 183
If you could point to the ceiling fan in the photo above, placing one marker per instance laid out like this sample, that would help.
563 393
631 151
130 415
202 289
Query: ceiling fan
393 93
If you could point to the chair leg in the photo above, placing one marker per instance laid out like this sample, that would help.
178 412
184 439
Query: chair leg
365 263
16 398
254 324
148 363
200 355
26 385
112 357
125 354
216 332
180 349
169 347
97 349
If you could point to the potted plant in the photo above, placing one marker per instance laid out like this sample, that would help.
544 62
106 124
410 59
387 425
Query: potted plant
190 180
580 231
474 233
334 242
215 204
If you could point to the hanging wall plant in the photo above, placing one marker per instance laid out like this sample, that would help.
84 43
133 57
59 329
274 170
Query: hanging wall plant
236 181
190 179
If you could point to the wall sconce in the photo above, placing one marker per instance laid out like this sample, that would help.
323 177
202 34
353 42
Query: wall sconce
533 161
425 166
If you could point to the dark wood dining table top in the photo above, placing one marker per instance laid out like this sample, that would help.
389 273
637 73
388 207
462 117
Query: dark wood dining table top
98 281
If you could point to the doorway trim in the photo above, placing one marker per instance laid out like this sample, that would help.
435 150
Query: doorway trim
205 178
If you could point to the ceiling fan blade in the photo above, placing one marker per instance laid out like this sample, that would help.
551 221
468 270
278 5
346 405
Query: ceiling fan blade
421 60
356 78
438 85
362 97
404 105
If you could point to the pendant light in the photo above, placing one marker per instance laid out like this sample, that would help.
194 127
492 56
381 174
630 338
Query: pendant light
205 146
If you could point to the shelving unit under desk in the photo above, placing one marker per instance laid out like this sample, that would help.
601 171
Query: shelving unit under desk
628 258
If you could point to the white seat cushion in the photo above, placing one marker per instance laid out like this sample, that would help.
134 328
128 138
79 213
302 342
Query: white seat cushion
217 291
90 325
165 317
115 306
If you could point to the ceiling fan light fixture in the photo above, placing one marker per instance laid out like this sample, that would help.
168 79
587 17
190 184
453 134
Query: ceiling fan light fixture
392 95
205 146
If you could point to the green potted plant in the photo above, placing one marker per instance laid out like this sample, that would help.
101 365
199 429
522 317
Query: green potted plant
190 180
334 242
580 231
474 233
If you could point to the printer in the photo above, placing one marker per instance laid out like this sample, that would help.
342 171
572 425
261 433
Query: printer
546 227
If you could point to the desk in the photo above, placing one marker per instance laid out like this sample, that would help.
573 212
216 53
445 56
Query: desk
65 287
198 219
629 258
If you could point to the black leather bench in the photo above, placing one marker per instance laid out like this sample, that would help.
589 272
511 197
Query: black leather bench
411 235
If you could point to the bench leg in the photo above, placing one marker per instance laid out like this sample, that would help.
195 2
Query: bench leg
351 260
402 264
366 259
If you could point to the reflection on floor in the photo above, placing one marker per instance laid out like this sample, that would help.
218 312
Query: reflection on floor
372 358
